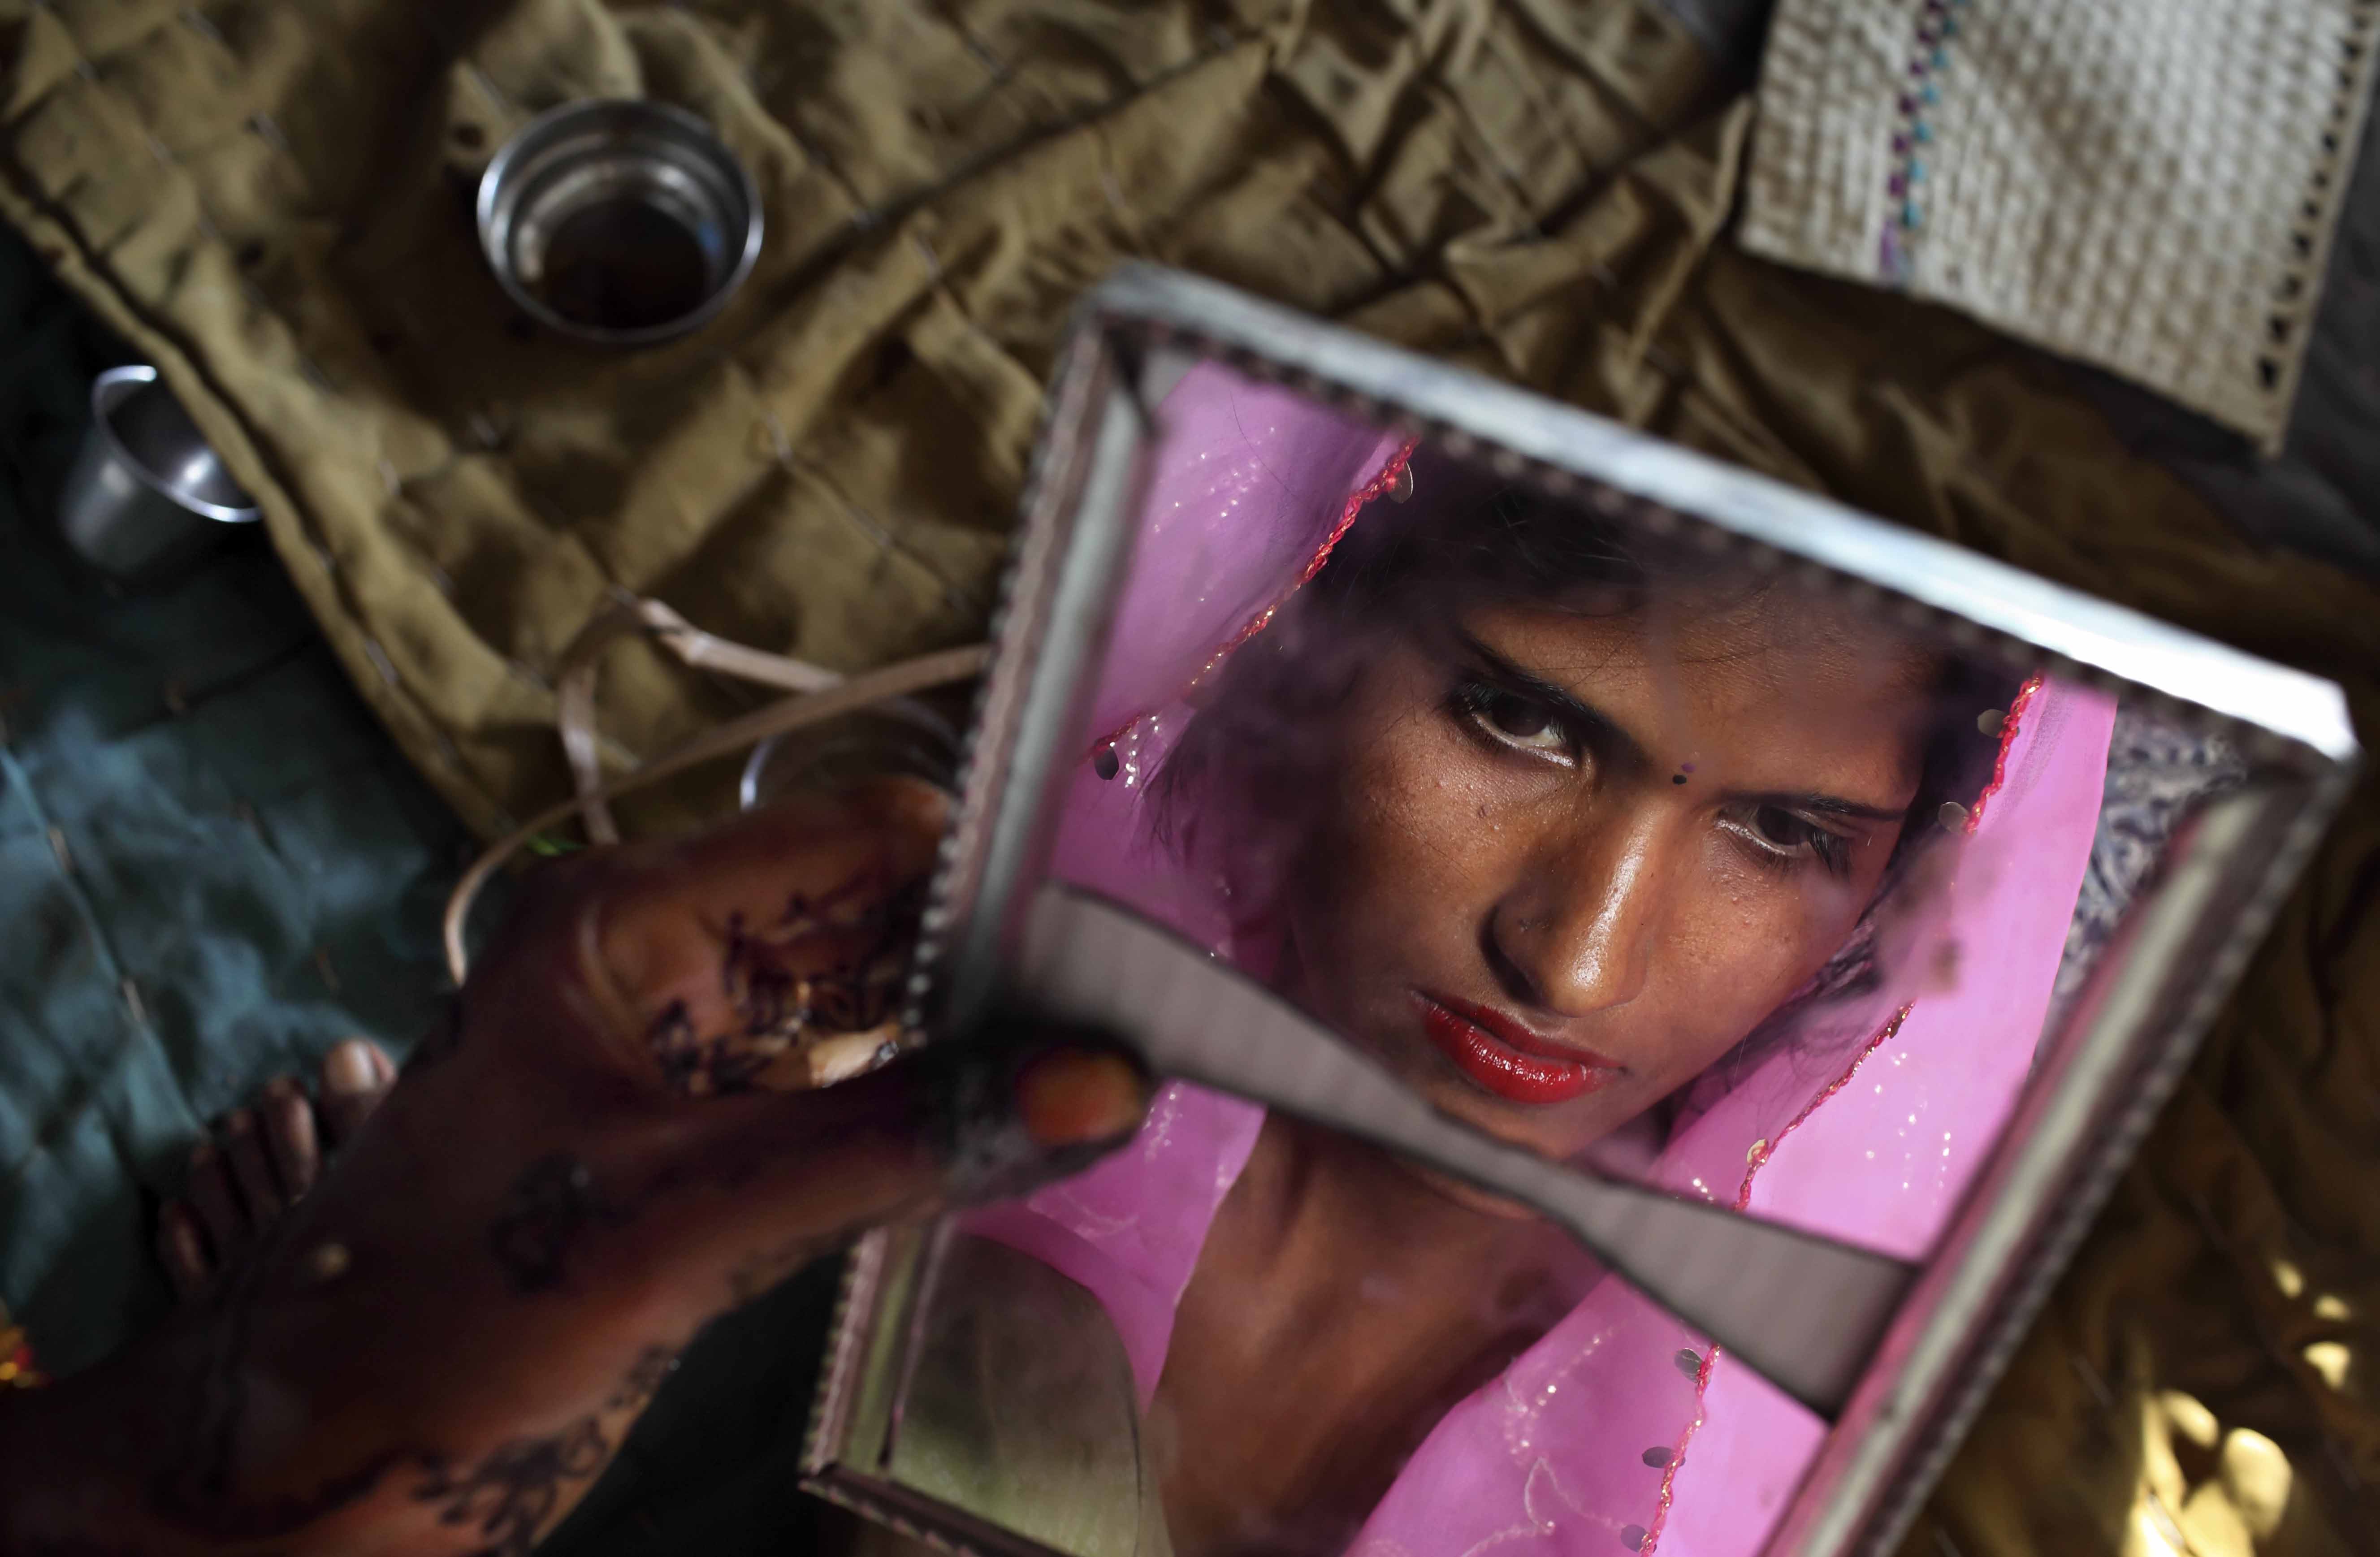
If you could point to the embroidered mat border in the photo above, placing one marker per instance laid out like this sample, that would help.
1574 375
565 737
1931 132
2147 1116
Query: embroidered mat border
2148 188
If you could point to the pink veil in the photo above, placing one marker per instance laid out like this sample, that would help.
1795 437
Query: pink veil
1621 1429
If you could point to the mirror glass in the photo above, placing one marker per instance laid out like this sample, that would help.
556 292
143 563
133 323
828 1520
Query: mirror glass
1631 849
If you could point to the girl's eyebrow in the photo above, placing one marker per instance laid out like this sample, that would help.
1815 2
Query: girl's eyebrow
1611 740
1831 804
1606 736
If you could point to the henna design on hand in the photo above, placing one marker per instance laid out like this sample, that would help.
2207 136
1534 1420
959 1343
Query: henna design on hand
644 1379
779 1012
193 1492
552 1202
516 1489
512 1492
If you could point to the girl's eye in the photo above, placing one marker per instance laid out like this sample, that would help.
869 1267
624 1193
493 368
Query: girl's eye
1787 837
1509 719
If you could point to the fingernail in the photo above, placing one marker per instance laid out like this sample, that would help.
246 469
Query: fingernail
348 1071
202 1155
1022 1112
1071 1098
185 1236
237 1122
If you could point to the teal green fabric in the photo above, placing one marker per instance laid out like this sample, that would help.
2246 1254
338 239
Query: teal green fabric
266 871
214 862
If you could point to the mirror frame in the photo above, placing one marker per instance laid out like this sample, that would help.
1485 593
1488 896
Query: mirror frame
2122 1046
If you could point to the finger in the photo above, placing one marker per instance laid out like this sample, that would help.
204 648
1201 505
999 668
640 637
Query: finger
1072 1097
181 1250
289 1138
356 1075
982 1118
716 961
210 1194
1036 1114
243 1148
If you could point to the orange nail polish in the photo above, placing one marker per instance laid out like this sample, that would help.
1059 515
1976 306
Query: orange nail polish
1070 1097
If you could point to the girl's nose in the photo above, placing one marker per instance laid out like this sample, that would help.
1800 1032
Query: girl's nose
1577 930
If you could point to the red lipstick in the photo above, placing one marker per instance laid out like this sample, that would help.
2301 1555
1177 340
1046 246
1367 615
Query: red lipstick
1505 1058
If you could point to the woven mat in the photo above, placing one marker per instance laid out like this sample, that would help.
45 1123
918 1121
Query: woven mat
270 198
2147 185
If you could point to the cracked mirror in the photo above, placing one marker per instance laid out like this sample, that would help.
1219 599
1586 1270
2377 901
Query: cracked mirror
1592 824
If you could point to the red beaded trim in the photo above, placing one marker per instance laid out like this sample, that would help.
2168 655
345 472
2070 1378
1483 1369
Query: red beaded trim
1677 1457
2008 738
1263 619
1761 1151
1757 1159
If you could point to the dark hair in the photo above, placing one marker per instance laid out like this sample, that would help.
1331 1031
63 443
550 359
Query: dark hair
1241 763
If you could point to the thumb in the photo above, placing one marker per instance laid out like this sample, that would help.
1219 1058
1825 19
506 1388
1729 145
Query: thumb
990 1114
1023 1102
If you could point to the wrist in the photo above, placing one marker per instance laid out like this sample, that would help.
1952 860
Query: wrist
130 1457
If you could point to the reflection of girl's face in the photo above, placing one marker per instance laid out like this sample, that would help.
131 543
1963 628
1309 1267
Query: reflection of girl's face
1572 859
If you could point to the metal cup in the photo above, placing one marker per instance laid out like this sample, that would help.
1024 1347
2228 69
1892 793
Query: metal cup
899 735
146 494
618 221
